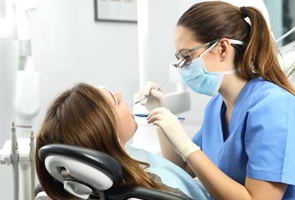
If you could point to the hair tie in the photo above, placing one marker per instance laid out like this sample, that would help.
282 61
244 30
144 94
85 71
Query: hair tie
243 11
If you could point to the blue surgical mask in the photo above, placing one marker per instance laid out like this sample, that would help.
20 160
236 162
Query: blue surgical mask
197 78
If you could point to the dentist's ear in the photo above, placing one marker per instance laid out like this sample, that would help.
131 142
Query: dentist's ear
224 46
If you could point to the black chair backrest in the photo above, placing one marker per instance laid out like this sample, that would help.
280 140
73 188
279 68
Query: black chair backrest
106 164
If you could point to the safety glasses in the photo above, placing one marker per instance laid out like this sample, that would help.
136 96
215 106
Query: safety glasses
184 56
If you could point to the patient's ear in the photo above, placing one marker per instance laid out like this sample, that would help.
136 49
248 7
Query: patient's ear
121 143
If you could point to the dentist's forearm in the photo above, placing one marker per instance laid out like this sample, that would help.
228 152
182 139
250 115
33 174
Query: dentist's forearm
222 187
169 153
218 184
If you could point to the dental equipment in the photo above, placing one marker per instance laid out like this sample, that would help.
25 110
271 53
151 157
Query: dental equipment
148 95
7 22
285 35
19 151
290 70
145 115
14 159
287 53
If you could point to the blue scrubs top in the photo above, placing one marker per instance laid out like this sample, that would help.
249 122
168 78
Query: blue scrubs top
260 142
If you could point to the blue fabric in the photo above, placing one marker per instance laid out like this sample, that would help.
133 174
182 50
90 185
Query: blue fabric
261 135
171 175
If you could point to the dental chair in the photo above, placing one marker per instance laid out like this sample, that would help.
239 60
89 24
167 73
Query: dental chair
90 174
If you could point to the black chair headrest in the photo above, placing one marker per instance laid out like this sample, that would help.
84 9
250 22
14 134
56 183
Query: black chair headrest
99 160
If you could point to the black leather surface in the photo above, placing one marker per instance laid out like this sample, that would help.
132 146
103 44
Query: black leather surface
97 159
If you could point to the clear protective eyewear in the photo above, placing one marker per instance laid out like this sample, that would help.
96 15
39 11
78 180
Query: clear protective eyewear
184 56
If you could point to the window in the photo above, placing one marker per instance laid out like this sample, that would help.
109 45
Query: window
282 18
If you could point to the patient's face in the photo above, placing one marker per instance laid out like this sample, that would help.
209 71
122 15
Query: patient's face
127 123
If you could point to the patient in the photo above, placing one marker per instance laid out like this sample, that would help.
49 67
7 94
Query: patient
95 118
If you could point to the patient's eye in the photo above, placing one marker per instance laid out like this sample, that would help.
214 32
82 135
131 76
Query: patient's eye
118 96
118 100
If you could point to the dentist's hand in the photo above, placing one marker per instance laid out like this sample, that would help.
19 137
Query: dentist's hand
157 98
173 130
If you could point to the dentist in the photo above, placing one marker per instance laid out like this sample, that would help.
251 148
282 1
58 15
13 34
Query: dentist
244 149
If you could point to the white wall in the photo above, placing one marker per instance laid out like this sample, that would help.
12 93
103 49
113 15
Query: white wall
69 47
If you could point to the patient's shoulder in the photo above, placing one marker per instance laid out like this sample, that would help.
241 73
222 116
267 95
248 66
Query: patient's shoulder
175 191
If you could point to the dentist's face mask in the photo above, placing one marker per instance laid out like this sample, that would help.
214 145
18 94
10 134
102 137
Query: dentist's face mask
197 78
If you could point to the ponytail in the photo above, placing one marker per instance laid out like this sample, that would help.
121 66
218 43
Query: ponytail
260 56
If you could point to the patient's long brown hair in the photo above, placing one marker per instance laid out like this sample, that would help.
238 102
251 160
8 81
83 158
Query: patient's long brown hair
82 116
213 20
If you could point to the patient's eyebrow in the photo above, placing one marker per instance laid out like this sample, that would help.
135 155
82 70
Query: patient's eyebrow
111 95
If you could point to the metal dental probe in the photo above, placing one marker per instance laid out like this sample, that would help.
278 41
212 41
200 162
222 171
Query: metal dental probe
148 95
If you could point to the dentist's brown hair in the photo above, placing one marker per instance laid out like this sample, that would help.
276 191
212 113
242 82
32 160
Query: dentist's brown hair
213 20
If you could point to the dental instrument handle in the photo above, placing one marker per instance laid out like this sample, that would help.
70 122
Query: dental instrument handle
145 115
14 161
32 149
14 146
146 96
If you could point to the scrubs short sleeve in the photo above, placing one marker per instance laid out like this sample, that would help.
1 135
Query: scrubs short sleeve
269 139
